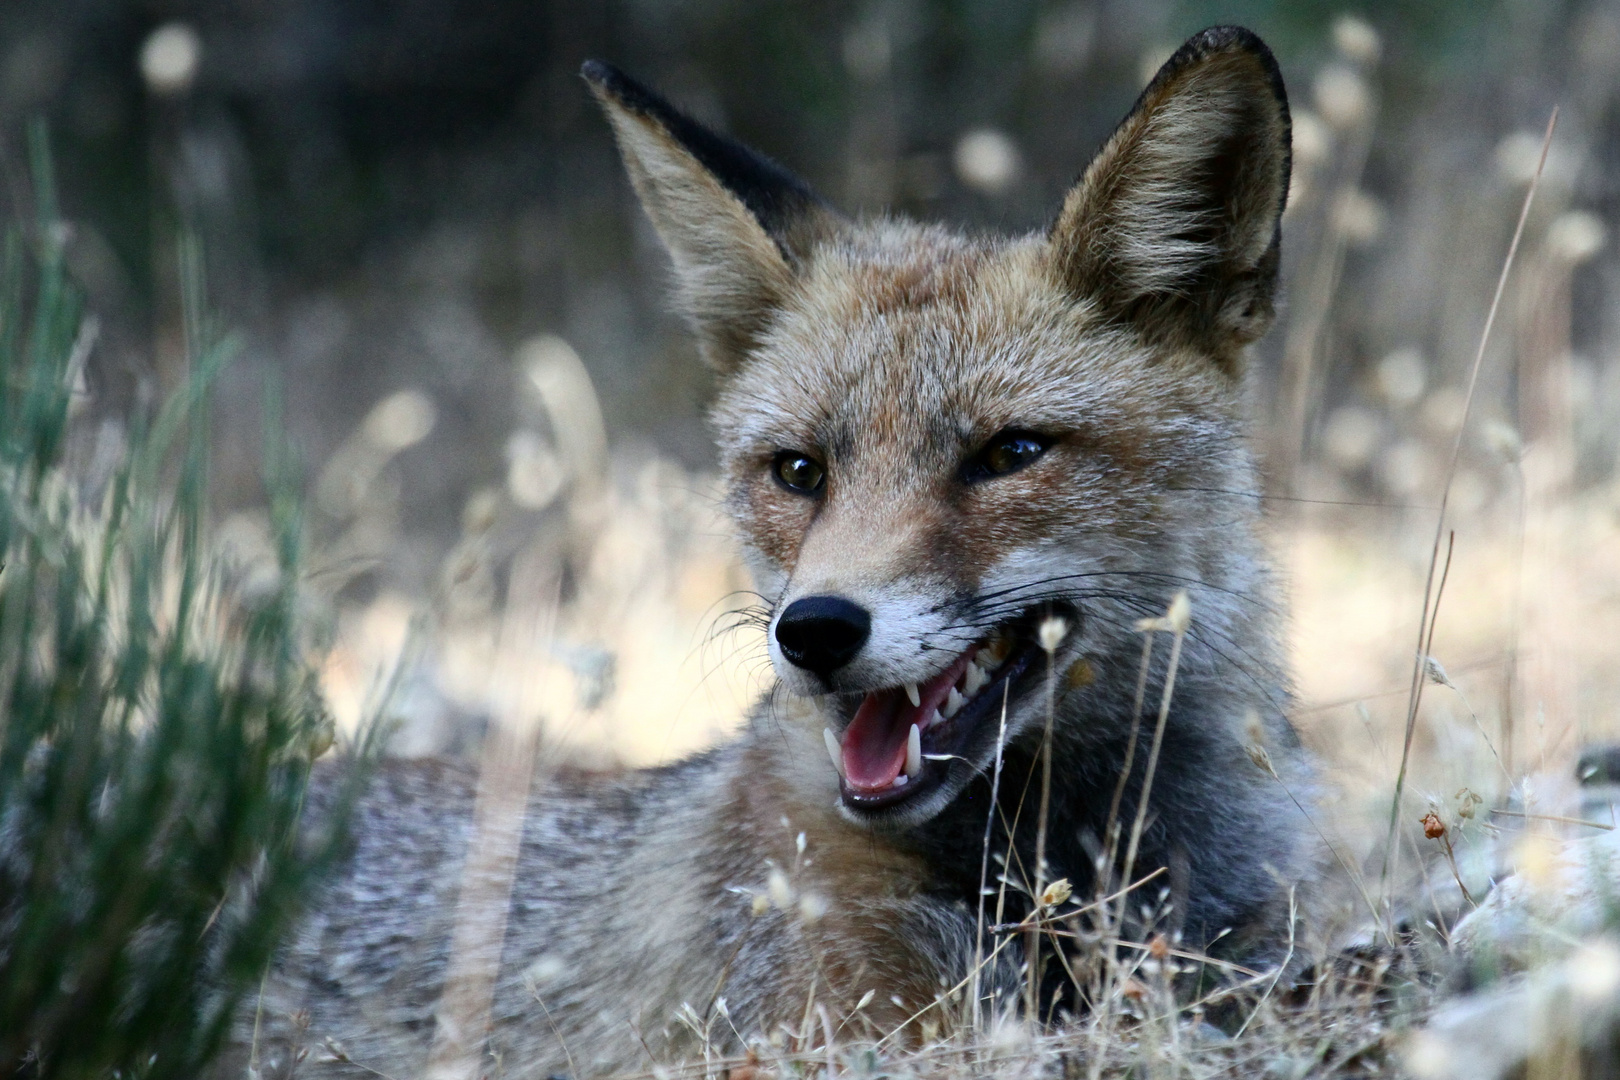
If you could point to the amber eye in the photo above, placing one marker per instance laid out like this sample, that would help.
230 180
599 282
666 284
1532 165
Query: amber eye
798 473
1006 453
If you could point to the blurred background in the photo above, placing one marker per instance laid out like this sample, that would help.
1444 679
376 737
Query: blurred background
414 217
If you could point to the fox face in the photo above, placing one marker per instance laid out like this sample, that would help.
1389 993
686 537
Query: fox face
964 468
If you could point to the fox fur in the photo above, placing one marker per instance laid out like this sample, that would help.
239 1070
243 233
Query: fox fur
889 353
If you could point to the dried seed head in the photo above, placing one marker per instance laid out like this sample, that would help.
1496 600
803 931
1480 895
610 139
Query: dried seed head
1159 947
1576 236
761 904
1254 728
1179 615
812 907
1433 827
1341 96
1356 39
1052 632
1436 673
1082 674
1056 893
1594 971
1505 440
778 889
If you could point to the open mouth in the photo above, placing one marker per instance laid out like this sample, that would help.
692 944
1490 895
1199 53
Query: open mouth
901 740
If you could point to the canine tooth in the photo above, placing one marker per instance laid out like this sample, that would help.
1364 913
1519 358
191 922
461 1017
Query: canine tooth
913 695
834 751
914 751
973 679
953 703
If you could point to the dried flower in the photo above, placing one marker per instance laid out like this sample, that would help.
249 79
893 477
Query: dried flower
1175 620
1056 893
1433 827
1436 673
812 907
1052 632
1356 39
778 889
1179 614
1081 674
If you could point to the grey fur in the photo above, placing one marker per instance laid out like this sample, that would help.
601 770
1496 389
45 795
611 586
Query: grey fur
892 350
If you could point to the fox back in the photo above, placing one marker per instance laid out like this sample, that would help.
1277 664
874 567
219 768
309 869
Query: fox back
997 496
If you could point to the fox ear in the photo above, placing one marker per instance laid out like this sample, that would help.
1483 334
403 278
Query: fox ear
1173 228
736 224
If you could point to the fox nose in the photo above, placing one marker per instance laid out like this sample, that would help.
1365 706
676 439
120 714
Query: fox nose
822 633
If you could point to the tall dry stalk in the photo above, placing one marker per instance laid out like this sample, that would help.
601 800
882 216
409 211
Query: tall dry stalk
1304 340
1425 627
976 993
505 782
1051 633
1176 620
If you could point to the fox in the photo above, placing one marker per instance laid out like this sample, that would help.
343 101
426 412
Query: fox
964 469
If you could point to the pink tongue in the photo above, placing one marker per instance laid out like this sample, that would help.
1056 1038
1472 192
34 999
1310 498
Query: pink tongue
875 742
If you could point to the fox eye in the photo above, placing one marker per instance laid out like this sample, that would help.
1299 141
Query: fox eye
1007 452
798 473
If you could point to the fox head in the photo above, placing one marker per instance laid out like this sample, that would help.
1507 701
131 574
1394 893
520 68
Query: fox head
964 466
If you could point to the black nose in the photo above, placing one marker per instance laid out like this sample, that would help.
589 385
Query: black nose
822 633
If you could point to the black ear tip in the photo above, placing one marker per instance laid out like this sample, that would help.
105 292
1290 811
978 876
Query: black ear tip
599 72
606 79
609 82
1225 39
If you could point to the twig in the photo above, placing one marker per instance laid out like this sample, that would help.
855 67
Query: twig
984 862
1177 626
1559 818
1110 838
1033 947
1032 921
1293 919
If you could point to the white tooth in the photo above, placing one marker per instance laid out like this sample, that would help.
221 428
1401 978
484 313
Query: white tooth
911 692
994 653
973 678
834 751
930 720
914 752
902 780
953 703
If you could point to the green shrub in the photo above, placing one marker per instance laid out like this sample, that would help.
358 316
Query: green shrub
157 712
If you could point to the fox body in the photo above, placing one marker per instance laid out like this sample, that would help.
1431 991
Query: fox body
964 470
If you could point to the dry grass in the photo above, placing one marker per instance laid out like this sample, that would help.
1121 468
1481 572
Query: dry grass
654 652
